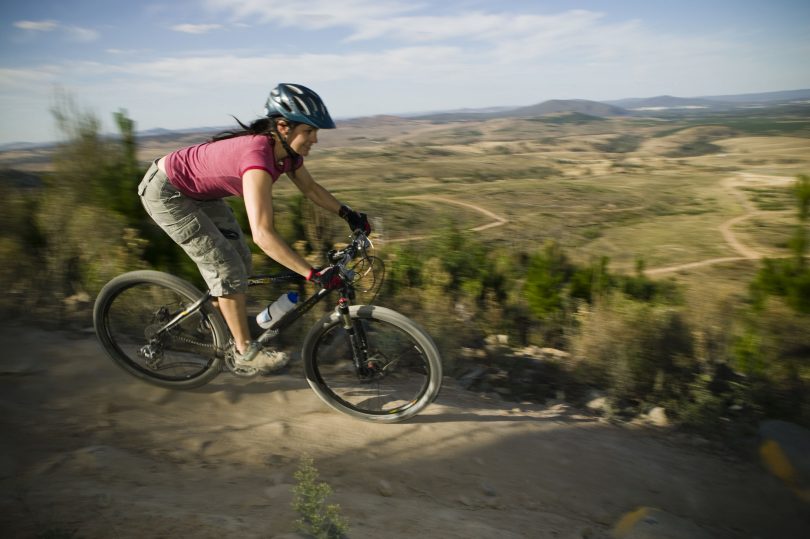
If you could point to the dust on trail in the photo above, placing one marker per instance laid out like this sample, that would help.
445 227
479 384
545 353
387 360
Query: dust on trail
88 449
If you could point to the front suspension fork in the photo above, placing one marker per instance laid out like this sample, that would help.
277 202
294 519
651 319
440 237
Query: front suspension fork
357 340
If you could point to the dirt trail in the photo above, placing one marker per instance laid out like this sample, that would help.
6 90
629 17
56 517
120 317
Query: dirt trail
727 228
497 220
90 450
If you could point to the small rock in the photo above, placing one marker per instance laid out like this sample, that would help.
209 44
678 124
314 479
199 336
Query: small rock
658 417
597 402
385 488
464 500
553 352
276 491
494 340
488 489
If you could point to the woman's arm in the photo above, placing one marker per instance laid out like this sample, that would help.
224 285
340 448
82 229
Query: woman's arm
313 190
323 198
258 192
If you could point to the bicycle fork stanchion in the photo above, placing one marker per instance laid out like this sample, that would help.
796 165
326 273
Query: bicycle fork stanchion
358 352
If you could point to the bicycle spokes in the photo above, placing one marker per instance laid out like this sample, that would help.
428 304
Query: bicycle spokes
392 376
152 327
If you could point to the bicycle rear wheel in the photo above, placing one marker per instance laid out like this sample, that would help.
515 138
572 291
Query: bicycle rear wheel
131 309
402 372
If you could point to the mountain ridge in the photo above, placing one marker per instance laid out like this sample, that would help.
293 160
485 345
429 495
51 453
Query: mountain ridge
607 108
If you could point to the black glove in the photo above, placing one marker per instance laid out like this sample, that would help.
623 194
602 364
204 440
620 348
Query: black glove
355 219
328 277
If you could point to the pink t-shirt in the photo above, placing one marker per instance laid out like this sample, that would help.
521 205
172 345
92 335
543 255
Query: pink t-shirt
214 170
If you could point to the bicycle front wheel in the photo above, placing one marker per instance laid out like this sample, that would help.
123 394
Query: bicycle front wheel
402 370
131 310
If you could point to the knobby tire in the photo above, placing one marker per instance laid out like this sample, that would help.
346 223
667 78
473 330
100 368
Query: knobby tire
132 306
405 365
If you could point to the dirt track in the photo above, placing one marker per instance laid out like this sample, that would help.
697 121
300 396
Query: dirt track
727 228
87 449
731 184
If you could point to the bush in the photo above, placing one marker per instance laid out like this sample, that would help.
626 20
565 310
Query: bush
639 352
771 349
318 519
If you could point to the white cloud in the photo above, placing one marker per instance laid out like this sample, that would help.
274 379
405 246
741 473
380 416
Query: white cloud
72 33
37 26
314 14
398 57
195 28
82 35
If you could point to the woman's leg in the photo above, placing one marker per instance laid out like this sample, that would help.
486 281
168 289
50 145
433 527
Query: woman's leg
235 314
222 262
233 306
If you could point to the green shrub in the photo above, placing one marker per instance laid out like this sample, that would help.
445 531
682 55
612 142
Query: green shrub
639 352
317 518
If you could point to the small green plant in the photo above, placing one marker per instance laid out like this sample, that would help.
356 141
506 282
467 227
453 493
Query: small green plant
318 519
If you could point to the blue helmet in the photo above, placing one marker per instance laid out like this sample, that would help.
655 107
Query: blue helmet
298 104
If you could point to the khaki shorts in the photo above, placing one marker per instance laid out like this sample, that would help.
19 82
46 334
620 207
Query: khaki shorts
206 230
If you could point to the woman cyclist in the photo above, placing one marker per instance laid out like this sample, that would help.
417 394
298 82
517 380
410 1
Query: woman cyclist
183 192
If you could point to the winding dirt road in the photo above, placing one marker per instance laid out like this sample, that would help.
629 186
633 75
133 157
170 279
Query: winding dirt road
727 228
497 220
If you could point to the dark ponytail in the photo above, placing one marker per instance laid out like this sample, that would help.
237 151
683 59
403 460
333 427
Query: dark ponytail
262 126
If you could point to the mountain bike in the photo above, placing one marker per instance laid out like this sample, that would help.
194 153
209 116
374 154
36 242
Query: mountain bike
363 360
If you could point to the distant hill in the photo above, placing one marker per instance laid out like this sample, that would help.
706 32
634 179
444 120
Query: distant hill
664 102
371 121
553 106
712 103
575 110
12 146
19 178
764 97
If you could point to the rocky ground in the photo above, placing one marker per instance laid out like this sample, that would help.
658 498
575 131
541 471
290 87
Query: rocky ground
88 451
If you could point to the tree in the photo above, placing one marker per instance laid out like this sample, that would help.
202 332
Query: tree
790 278
548 274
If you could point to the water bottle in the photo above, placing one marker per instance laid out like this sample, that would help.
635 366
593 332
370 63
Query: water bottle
273 313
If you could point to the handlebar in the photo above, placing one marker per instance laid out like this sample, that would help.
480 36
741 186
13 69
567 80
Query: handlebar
341 258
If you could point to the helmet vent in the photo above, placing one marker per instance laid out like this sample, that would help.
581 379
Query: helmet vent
301 104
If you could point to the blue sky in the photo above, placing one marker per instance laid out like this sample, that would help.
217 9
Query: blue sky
191 63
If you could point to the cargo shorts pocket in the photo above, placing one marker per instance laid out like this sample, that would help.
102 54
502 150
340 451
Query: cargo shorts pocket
150 173
186 229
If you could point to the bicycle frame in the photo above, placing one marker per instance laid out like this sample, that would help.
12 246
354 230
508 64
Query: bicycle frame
340 259
289 318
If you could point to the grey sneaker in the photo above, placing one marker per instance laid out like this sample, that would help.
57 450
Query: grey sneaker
260 358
